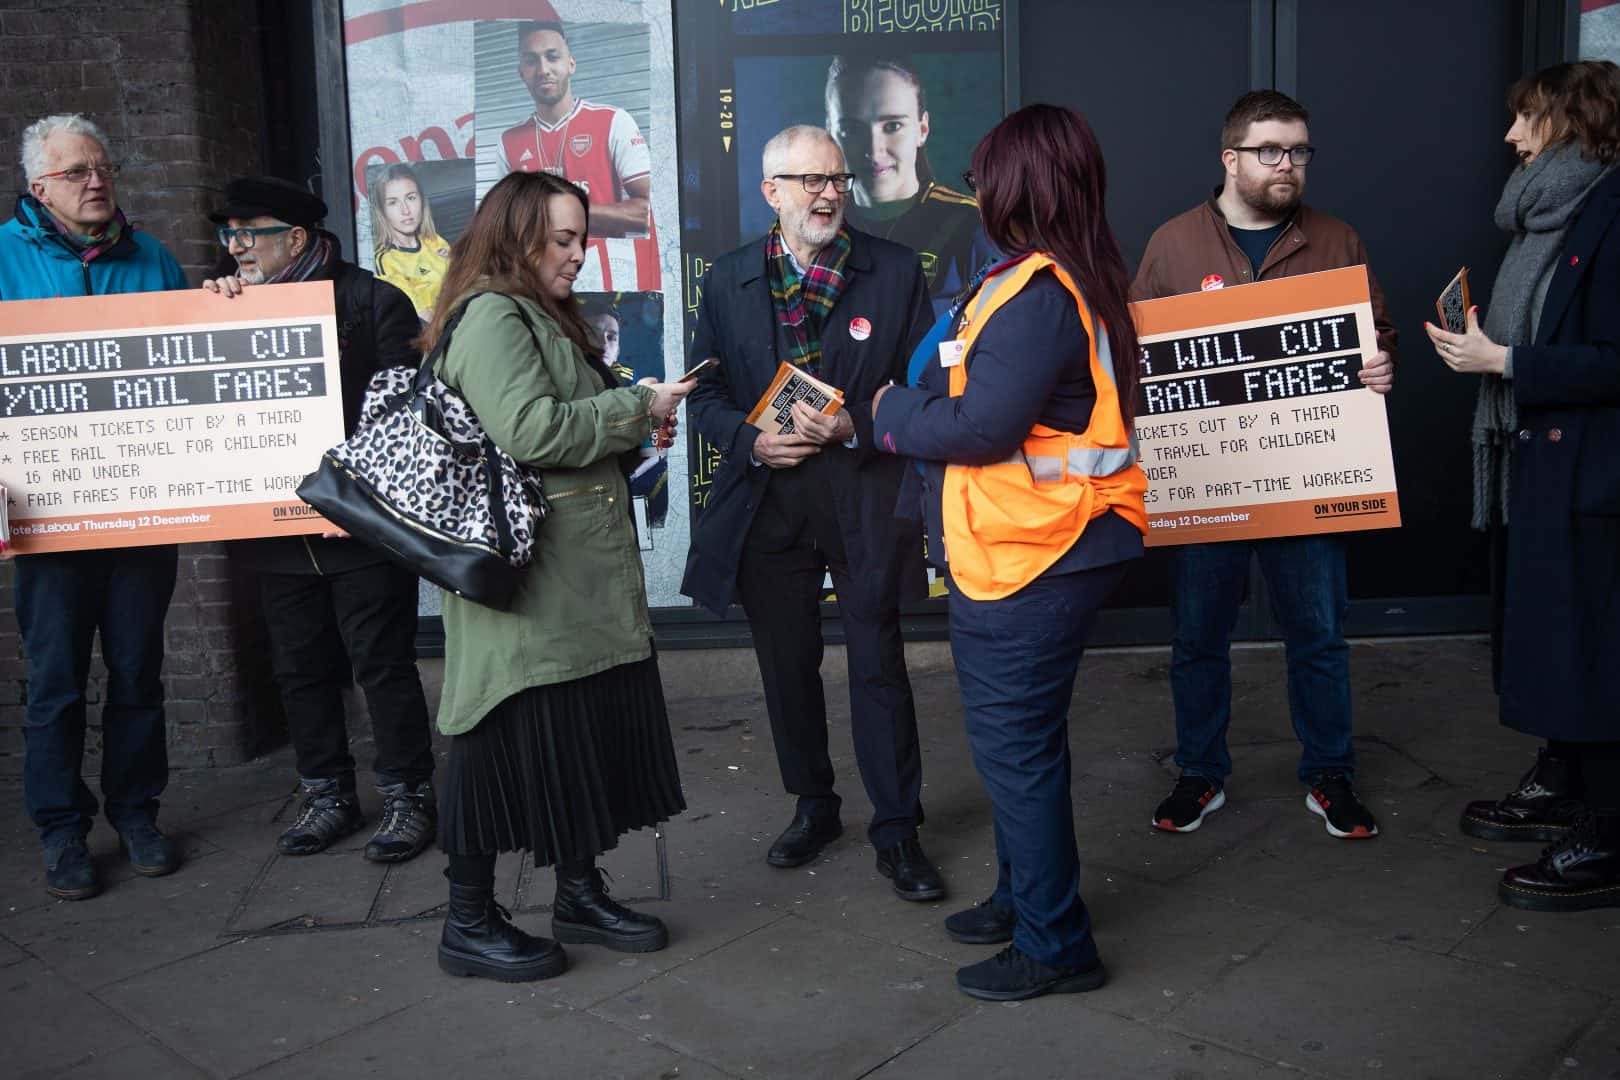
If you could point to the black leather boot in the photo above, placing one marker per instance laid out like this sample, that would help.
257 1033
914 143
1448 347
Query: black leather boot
1545 805
479 939
584 915
1580 871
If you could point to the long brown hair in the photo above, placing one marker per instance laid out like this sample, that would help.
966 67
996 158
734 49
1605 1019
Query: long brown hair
497 254
382 234
1578 101
1042 187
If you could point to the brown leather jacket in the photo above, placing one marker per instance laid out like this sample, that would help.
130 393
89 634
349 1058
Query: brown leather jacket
1188 249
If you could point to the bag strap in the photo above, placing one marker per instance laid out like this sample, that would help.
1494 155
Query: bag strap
424 371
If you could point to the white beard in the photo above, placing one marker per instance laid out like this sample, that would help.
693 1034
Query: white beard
808 230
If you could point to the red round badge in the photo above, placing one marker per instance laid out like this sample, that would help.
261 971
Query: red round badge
860 329
1213 281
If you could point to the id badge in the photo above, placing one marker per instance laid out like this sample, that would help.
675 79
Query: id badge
951 353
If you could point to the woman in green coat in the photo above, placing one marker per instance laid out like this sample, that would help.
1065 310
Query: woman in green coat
560 741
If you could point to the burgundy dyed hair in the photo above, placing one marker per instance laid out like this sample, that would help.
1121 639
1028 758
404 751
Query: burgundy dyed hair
1042 187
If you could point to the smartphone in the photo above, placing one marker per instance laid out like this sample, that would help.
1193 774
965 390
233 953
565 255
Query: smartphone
700 369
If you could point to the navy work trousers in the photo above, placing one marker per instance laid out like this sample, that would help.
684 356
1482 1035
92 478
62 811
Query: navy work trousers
1016 660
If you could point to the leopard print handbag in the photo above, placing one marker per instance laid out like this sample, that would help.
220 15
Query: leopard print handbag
421 482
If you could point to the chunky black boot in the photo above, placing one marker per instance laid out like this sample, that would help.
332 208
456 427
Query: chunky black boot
584 915
479 939
1545 806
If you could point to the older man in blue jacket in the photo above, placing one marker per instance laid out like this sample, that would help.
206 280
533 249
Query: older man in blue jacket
69 238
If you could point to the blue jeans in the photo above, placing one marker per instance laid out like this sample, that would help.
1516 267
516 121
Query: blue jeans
62 600
1305 575
1015 663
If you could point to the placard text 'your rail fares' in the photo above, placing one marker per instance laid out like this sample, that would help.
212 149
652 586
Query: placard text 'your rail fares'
1250 415
165 417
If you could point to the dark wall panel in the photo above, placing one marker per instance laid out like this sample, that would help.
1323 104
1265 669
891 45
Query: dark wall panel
1411 154
1154 80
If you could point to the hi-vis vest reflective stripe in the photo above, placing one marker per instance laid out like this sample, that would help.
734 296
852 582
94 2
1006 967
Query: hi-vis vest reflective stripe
1008 523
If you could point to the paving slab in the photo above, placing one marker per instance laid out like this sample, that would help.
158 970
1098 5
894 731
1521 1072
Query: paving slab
699 921
794 999
50 1024
335 887
1596 1056
1342 1005
1161 950
10 953
145 1059
512 1032
137 925
1059 1038
258 1000
1427 893
1577 948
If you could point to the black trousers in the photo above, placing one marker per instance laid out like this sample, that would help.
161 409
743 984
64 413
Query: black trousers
370 614
780 581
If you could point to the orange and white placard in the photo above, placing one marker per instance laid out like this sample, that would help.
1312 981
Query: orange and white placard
169 417
1250 417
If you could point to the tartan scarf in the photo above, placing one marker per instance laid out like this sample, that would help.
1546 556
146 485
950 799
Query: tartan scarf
802 303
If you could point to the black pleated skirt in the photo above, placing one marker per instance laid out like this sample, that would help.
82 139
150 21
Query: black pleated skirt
562 771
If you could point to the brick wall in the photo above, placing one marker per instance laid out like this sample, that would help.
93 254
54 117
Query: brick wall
174 84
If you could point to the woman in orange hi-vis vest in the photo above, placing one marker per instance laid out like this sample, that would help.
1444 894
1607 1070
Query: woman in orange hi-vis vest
1020 422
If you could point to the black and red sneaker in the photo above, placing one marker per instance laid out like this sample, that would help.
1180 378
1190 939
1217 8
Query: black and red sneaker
1193 798
1334 800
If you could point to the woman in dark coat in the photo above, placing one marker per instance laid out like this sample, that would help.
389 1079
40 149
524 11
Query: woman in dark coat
1547 437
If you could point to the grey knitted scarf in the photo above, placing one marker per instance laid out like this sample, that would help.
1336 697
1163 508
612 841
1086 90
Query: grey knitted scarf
1538 204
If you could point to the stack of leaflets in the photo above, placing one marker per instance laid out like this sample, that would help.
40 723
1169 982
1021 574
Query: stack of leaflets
774 412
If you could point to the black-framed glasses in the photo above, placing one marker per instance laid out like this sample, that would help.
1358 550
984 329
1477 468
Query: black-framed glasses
1272 155
80 174
968 179
248 237
815 182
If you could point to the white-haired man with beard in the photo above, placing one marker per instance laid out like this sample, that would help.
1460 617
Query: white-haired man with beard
786 510
1256 228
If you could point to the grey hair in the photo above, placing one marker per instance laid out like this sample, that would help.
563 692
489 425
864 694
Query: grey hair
774 159
35 134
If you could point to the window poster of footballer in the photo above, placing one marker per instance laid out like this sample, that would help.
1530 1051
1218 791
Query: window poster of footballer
447 96
905 90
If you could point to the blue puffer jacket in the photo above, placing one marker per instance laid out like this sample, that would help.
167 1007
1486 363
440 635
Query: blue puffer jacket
38 263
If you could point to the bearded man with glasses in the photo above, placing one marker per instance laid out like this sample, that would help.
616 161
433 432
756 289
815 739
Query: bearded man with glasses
1256 228
333 604
69 238
788 509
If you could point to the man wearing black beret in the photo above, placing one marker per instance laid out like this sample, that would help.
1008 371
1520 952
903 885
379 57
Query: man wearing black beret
327 597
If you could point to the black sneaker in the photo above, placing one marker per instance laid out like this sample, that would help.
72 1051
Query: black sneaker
985 923
151 854
328 814
1190 801
1334 801
410 818
1010 975
69 873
